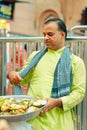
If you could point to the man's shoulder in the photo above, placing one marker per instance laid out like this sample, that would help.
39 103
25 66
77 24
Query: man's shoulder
76 58
34 53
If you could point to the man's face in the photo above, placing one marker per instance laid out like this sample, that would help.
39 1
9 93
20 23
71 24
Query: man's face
53 37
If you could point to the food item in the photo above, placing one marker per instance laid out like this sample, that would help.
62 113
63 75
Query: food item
1 101
32 108
12 106
39 103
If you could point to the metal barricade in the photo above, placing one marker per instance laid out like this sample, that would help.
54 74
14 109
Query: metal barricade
80 49
2 61
10 54
30 44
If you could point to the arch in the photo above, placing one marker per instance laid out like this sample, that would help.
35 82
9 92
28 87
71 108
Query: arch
45 15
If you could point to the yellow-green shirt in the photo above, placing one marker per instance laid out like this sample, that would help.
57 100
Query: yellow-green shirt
40 83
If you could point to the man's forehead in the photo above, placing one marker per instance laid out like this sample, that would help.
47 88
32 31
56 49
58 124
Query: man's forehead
50 28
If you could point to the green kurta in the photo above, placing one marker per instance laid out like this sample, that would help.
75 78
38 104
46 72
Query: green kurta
41 80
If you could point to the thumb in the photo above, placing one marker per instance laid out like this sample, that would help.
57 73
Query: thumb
19 77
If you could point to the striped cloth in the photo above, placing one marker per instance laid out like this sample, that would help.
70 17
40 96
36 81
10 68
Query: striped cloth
62 75
17 90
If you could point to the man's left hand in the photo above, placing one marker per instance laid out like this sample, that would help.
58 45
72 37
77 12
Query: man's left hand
51 103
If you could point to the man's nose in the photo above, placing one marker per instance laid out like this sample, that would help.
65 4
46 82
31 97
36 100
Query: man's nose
46 37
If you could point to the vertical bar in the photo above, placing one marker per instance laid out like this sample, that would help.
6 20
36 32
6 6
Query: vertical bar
1 69
4 63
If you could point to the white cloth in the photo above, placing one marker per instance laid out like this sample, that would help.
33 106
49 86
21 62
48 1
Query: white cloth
21 125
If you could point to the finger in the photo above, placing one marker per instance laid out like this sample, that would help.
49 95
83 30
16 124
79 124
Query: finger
15 81
43 111
19 78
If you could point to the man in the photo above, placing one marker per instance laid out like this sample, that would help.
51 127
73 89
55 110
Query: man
56 75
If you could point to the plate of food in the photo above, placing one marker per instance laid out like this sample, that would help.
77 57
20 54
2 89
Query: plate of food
16 108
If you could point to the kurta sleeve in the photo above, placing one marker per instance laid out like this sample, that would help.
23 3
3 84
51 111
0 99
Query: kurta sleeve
78 85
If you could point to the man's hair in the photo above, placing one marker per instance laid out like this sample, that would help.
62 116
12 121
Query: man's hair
60 23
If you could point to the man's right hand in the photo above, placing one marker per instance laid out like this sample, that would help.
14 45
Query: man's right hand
15 78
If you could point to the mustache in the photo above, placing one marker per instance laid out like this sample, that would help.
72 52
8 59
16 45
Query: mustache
46 41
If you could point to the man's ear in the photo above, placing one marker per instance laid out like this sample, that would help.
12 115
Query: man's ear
63 34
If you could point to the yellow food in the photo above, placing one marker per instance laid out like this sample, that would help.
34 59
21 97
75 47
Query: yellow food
14 106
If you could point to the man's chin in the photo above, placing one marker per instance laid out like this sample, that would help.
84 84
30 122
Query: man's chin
49 47
47 44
